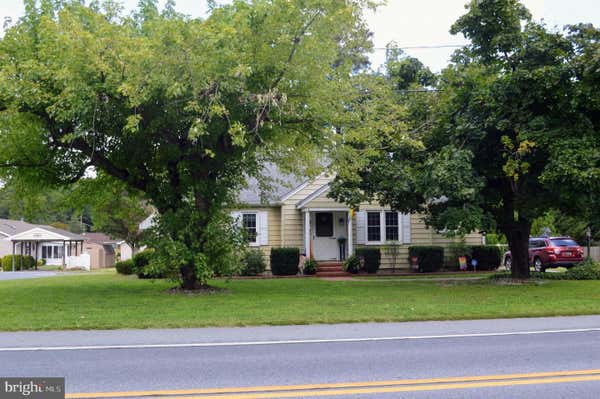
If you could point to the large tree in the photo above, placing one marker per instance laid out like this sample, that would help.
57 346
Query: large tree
179 109
514 132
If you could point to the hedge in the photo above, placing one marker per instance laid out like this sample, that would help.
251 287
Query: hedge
488 257
125 267
141 260
28 262
429 258
284 261
253 263
372 257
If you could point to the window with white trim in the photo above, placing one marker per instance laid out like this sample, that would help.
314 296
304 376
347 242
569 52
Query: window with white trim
249 224
392 226
373 226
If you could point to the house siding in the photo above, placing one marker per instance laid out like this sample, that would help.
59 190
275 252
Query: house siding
286 226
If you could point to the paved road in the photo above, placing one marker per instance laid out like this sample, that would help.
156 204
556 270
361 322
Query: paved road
24 275
362 360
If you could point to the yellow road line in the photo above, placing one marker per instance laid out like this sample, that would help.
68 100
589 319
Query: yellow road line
413 388
272 390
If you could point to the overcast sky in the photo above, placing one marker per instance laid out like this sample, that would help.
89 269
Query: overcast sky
410 23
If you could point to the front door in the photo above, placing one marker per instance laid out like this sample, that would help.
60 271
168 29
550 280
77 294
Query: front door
326 228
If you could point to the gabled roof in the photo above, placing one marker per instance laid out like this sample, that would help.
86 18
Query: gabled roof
279 185
18 228
99 238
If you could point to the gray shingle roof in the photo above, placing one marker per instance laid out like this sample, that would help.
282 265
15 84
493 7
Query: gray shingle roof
12 227
271 189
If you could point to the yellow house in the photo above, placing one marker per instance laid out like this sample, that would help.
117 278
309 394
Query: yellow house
300 214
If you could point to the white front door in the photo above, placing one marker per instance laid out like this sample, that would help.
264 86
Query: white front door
326 227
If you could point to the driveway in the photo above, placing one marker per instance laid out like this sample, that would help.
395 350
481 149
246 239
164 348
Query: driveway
24 275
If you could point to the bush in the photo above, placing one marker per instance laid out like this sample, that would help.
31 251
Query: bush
372 257
125 267
41 262
429 258
23 262
586 270
488 257
284 261
455 251
144 269
310 267
253 263
352 264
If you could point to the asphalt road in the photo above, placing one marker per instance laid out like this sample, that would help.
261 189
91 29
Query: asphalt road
25 275
524 358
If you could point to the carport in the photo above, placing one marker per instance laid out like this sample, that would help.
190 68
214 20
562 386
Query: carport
29 243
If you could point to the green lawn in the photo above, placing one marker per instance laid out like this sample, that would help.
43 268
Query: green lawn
108 300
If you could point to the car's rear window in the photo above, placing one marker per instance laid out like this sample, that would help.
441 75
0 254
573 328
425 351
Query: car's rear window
563 242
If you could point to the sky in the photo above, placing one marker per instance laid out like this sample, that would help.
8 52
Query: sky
409 23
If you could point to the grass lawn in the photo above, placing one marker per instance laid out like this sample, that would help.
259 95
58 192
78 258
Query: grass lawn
107 300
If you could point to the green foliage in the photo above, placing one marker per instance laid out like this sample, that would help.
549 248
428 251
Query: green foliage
392 250
429 258
22 262
253 263
182 110
125 267
310 267
372 258
586 270
145 266
512 133
284 261
457 249
351 265
488 257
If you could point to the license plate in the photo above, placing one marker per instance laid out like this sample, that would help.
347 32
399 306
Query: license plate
568 253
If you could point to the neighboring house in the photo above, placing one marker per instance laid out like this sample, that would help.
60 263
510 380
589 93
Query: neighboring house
101 249
301 215
55 246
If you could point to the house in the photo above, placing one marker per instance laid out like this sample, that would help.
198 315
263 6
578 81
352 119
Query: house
300 214
101 249
55 246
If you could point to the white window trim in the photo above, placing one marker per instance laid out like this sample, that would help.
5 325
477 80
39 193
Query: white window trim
256 242
382 227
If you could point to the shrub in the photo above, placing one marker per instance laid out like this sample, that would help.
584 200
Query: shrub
145 268
429 258
284 261
253 263
41 262
352 264
125 267
22 262
488 257
455 251
372 257
310 267
586 270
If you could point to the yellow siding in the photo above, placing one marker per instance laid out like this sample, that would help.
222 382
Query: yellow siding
286 226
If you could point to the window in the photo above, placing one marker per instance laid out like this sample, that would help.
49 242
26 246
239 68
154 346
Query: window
373 226
52 251
391 226
324 224
249 224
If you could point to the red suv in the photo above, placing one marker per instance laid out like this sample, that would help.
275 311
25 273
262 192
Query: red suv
547 252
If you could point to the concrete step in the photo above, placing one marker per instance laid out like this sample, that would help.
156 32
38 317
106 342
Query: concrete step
329 268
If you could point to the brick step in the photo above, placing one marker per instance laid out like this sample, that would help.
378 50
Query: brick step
329 268
333 274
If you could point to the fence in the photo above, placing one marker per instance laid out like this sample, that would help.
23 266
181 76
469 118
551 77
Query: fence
82 261
594 253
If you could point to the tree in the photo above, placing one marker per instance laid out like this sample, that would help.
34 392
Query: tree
514 132
114 208
179 109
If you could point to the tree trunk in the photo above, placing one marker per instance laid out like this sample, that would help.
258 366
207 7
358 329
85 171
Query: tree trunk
518 243
189 280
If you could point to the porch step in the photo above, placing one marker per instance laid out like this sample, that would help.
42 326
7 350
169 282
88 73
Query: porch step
331 269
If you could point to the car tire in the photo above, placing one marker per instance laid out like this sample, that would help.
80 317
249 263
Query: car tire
538 265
